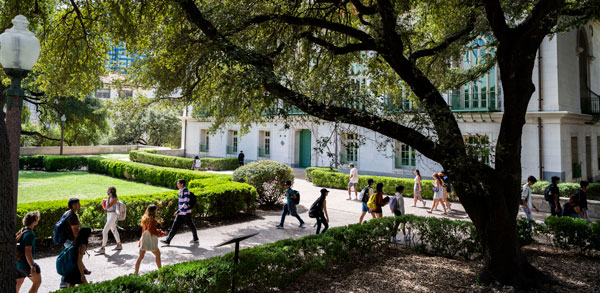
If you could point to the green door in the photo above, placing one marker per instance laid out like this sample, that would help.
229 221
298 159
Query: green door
304 160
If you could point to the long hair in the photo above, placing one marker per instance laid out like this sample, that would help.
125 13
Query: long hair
113 191
149 215
83 236
418 172
379 187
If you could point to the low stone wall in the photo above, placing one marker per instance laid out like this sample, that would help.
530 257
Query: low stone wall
170 152
94 150
542 205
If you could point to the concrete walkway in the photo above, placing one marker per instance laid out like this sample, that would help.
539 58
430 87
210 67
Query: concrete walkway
118 263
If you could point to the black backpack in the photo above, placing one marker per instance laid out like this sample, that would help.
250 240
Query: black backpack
60 228
547 195
316 208
192 202
297 198
364 194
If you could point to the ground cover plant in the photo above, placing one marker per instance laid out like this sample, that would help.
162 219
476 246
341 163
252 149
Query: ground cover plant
48 186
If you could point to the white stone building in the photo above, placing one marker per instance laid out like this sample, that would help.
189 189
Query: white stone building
561 136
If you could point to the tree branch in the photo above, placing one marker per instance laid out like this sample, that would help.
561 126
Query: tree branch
35 133
496 19
362 9
444 44
337 50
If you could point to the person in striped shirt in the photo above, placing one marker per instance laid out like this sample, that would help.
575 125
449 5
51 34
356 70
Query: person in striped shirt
182 215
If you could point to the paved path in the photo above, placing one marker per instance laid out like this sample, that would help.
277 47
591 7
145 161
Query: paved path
118 263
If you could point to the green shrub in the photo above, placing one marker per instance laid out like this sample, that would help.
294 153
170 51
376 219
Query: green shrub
268 177
182 163
568 233
151 151
595 236
308 170
340 180
567 189
145 173
52 163
525 228
219 198
31 162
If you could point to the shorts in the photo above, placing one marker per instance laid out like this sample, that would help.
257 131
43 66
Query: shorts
350 184
22 273
378 210
365 208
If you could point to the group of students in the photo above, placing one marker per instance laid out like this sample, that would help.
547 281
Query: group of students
318 209
576 207
75 239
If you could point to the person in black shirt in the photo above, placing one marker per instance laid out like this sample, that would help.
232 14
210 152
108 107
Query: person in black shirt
582 199
553 195
241 158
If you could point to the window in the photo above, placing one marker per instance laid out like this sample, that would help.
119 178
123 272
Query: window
267 143
350 148
103 93
235 141
232 142
576 165
125 93
264 144
204 141
479 146
405 157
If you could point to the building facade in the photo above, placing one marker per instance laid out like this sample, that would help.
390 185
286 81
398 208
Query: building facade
561 136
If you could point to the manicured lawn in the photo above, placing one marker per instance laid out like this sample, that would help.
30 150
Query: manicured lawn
41 186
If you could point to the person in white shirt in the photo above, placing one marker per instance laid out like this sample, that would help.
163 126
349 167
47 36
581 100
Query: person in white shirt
526 204
397 208
353 182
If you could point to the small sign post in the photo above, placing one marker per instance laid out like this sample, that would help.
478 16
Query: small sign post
237 253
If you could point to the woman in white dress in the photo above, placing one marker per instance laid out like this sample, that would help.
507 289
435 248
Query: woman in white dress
417 188
438 193
149 239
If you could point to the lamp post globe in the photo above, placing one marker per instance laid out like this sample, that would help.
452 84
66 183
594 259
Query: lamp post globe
19 50
63 118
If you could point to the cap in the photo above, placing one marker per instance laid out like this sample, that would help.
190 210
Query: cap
324 190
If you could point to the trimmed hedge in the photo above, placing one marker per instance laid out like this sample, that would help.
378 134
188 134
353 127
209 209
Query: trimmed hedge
568 188
308 171
145 173
183 163
272 266
221 199
52 163
340 180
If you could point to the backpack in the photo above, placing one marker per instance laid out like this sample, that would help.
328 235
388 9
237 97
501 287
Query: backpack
60 234
193 200
65 262
547 195
364 194
121 211
297 198
372 203
315 209
20 248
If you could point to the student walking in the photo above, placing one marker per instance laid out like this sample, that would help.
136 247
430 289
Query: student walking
353 182
70 229
241 157
582 199
76 275
197 163
417 188
397 209
290 206
438 193
149 239
112 203
379 202
318 210
182 215
26 266
552 195
526 203
447 189
365 195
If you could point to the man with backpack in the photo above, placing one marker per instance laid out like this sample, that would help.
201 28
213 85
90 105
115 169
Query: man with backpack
67 229
551 195
318 210
183 214
292 199
364 198
581 199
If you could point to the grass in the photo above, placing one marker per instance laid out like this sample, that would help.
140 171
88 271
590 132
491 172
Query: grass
41 186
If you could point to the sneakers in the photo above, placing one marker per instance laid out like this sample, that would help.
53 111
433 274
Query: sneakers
356 198
100 250
301 225
195 241
349 198
118 247
165 242
279 227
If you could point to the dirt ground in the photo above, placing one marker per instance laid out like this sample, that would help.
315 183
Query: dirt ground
400 270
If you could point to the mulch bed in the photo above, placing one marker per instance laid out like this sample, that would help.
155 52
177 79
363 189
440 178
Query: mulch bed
402 270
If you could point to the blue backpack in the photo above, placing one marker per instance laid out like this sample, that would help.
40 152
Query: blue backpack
60 234
65 263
